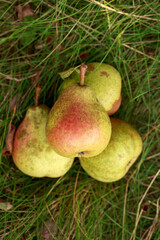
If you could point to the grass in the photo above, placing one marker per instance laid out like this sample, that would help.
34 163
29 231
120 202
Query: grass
59 35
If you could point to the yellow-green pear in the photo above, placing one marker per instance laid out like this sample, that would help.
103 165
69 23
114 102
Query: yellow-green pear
77 123
122 151
103 79
32 153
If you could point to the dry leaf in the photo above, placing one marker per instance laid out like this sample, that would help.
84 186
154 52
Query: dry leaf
49 230
7 150
27 11
20 12
49 40
145 207
13 102
83 55
40 46
24 11
5 206
68 72
44 44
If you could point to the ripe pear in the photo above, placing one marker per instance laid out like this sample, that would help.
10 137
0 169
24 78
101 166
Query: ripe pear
104 80
122 151
32 153
77 123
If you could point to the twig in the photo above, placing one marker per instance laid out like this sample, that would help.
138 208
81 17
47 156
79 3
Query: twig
20 79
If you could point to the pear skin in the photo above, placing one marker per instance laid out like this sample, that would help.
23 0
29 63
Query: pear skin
104 80
122 151
78 124
32 153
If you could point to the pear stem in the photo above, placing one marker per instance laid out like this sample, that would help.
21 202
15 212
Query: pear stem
83 69
38 90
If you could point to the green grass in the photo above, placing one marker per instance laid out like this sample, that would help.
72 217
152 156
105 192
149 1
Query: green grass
125 34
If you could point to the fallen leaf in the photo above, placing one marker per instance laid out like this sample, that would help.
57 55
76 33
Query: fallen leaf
49 40
40 46
5 206
49 230
68 72
24 11
26 16
20 12
145 207
8 148
83 55
13 102
27 11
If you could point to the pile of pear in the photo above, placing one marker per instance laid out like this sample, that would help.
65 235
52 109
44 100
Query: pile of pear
79 125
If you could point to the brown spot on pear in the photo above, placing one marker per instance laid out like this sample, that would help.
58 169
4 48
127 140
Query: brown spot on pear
104 73
116 105
120 154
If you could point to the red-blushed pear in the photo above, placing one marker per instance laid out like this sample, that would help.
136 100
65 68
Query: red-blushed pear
32 153
77 123
103 79
122 151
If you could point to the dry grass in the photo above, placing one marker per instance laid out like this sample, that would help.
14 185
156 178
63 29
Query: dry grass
59 35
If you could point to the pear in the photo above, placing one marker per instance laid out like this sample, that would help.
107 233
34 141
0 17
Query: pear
104 80
32 153
77 123
122 151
